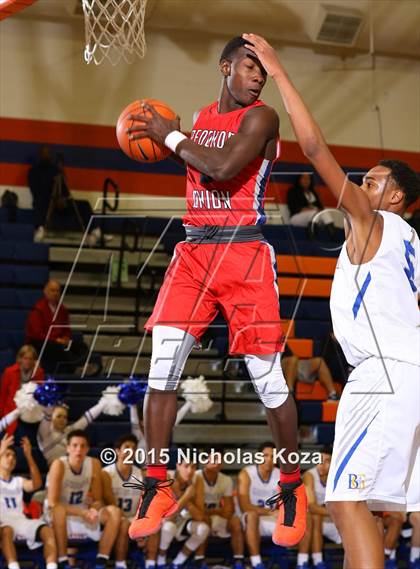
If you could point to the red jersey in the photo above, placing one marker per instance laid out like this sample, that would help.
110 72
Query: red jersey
239 201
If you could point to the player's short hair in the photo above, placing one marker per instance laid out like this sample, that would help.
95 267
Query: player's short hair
266 444
78 433
405 178
128 438
231 46
327 449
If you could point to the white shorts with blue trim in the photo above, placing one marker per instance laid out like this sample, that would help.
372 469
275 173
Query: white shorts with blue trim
376 437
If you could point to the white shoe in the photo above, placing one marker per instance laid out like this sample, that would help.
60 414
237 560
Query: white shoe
95 235
39 234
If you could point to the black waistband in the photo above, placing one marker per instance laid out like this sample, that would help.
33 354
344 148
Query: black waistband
223 234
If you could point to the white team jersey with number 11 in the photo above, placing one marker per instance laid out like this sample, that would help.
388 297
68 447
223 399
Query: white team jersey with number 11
374 305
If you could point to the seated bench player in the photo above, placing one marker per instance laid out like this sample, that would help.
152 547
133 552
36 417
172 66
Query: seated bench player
126 498
219 508
14 524
74 501
256 484
188 523
320 524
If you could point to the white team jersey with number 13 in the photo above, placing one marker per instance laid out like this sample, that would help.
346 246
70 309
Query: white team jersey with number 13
374 305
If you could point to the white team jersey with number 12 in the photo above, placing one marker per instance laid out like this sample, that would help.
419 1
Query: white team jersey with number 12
374 305
76 485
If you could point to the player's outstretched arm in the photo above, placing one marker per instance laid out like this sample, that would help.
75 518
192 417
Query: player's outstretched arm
349 196
8 419
35 481
259 126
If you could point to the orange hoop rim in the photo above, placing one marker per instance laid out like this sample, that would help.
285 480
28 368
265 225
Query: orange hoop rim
11 7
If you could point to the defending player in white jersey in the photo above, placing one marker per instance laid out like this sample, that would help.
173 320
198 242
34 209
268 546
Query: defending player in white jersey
14 523
188 523
74 501
320 523
374 307
256 484
126 498
219 507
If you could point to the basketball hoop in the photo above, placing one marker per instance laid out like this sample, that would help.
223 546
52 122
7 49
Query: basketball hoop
114 30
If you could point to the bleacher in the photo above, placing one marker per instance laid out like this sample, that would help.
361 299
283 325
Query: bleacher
304 279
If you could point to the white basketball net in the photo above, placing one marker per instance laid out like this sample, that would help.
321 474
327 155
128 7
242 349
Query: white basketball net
114 30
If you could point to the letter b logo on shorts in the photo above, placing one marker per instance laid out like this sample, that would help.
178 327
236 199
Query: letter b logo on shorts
357 481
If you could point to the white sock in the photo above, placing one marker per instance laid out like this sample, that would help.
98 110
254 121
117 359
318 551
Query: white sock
414 553
151 563
14 565
121 565
52 565
317 558
302 558
180 558
199 558
63 558
387 552
255 559
161 560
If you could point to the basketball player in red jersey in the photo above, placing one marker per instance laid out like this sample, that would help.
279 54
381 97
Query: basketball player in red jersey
224 264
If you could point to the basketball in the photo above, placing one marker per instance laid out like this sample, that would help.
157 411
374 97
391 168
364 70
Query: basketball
144 150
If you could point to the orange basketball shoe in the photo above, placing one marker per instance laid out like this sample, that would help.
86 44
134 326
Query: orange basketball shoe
156 502
291 520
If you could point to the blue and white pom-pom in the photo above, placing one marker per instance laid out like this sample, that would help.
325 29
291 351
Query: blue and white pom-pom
132 392
29 409
111 405
196 392
50 393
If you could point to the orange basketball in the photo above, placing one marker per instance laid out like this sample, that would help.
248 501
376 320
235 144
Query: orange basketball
145 149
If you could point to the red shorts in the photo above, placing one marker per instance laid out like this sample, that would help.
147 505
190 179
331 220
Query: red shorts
239 279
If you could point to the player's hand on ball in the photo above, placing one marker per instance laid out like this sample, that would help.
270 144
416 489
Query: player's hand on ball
152 125
265 53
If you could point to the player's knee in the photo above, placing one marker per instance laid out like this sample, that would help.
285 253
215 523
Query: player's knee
340 511
234 524
203 530
169 528
268 379
46 533
7 533
252 519
112 514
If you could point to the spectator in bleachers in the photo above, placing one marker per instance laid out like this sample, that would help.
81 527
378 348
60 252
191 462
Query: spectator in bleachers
48 330
320 524
307 370
75 501
256 484
41 179
219 508
54 428
12 380
51 195
304 204
35 532
113 477
188 523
